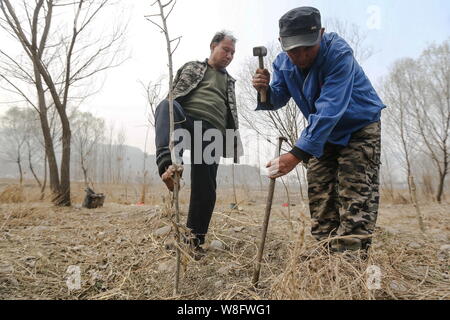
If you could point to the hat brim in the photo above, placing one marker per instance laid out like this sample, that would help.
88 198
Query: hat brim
302 40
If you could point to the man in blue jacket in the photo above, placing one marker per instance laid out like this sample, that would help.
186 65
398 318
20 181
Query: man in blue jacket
340 146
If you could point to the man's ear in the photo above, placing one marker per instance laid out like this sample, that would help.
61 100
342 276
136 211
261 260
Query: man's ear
322 31
213 46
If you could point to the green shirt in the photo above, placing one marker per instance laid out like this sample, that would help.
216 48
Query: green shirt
208 101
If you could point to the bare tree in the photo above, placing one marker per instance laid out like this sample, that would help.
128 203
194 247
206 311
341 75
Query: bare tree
14 135
423 93
430 93
287 122
88 132
165 9
36 150
401 123
59 64
120 155
153 95
354 35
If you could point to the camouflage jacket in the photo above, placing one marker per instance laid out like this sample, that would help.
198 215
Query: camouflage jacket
189 77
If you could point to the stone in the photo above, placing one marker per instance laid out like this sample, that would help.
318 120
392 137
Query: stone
397 286
217 245
167 267
223 270
6 275
218 284
77 248
161 232
238 229
9 281
414 245
391 230
29 261
445 248
39 229
6 269
152 215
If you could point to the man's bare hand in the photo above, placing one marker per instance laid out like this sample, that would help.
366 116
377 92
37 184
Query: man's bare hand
168 176
282 165
261 79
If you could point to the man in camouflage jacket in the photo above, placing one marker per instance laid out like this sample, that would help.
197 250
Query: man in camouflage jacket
204 93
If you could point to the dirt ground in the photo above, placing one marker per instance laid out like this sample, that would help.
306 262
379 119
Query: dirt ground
120 254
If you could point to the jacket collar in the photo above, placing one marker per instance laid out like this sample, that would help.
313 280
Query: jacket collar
221 70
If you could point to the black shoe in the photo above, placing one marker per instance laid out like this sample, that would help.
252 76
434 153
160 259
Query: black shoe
198 253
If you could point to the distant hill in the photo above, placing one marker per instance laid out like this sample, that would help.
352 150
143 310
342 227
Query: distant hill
132 166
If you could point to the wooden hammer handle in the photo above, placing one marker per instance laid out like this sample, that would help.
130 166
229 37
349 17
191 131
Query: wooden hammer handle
262 92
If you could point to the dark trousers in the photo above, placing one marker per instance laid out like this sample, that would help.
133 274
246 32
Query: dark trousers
203 176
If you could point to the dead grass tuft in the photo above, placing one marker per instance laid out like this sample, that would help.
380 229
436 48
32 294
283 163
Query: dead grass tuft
12 194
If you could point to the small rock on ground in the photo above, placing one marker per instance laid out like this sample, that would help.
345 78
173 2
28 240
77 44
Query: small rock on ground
161 232
166 267
414 245
217 245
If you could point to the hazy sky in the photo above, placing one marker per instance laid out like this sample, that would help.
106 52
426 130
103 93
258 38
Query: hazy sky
394 28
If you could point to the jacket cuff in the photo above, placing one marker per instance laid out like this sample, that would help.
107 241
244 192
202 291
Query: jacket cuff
163 164
300 154
264 105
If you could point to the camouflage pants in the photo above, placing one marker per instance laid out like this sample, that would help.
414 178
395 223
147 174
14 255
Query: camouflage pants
343 190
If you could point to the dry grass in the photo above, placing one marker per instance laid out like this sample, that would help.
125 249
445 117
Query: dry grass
12 194
121 258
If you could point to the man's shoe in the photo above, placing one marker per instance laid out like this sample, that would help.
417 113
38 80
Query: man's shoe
198 253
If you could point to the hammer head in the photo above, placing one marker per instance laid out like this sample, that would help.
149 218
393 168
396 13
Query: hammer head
260 51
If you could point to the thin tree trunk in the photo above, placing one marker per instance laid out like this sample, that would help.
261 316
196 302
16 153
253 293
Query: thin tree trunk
20 171
165 30
44 184
289 208
234 187
48 141
144 188
440 190
415 203
64 192
32 169
299 184
84 170
85 177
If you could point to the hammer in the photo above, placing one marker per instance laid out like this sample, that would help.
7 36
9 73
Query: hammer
262 242
261 52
